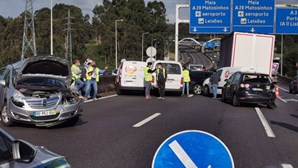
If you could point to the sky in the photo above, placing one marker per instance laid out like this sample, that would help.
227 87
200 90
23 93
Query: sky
13 8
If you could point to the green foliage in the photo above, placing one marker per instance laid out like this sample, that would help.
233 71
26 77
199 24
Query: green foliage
290 59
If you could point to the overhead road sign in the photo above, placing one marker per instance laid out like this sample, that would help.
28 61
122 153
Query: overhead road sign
286 20
193 149
253 16
210 16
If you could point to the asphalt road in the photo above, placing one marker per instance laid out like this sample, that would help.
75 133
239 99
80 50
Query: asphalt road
105 136
195 57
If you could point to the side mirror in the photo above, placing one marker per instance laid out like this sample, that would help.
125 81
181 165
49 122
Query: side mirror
2 82
23 152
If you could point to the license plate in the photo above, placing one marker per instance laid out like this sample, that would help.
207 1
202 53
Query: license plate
257 89
45 113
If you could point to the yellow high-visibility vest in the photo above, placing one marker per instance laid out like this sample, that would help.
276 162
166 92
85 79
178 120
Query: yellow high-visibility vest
163 72
186 77
147 75
89 72
74 75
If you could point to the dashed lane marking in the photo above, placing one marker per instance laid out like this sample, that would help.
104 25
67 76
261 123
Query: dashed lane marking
266 125
283 100
141 123
106 97
286 166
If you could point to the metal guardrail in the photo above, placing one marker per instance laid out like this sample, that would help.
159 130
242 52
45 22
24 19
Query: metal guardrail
106 85
284 79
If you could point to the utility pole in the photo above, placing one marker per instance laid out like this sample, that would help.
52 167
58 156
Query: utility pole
68 52
29 30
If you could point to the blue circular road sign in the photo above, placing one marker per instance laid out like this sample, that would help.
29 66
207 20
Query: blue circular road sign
193 149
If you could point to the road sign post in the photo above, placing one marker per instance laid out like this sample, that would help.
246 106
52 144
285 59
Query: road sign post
195 149
212 17
253 16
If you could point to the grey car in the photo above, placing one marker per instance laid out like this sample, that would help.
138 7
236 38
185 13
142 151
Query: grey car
21 154
37 91
293 87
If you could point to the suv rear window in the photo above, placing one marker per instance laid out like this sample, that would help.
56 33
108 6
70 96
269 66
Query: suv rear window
172 68
256 78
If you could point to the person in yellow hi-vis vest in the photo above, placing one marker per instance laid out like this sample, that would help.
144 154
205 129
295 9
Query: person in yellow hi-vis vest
161 78
76 76
186 80
148 79
92 77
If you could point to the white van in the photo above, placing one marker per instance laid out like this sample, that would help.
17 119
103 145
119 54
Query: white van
130 76
224 74
174 81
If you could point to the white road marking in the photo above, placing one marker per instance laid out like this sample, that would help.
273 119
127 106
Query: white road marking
266 125
106 97
283 100
289 100
182 155
286 166
283 89
141 123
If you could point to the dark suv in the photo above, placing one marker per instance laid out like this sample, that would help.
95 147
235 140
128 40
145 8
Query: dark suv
253 88
196 81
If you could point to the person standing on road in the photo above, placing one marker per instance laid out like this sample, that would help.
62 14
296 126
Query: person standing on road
214 79
148 79
186 80
92 77
161 78
76 76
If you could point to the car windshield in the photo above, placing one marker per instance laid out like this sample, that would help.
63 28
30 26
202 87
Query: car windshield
254 78
48 82
172 68
195 67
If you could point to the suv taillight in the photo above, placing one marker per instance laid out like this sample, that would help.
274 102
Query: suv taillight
153 79
182 81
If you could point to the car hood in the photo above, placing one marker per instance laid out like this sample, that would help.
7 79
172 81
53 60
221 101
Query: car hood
48 66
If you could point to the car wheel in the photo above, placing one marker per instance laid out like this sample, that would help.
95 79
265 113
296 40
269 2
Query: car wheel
197 89
4 118
235 101
290 90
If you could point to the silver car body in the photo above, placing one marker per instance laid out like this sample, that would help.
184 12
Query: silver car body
42 157
37 91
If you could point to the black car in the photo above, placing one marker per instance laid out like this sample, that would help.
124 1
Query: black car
196 81
252 88
293 87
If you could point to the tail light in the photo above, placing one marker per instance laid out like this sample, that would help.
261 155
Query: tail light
120 73
182 81
246 86
153 79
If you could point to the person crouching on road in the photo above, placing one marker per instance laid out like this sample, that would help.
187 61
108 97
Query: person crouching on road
186 80
92 77
161 78
148 79
76 76
214 79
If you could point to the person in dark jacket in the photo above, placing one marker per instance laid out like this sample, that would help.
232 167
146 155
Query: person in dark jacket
161 78
214 79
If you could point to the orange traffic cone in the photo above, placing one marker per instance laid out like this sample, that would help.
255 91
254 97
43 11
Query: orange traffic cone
277 92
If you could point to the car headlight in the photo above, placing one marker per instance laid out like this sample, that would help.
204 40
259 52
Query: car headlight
18 98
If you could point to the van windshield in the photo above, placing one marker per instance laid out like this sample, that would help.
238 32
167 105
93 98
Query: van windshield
172 68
